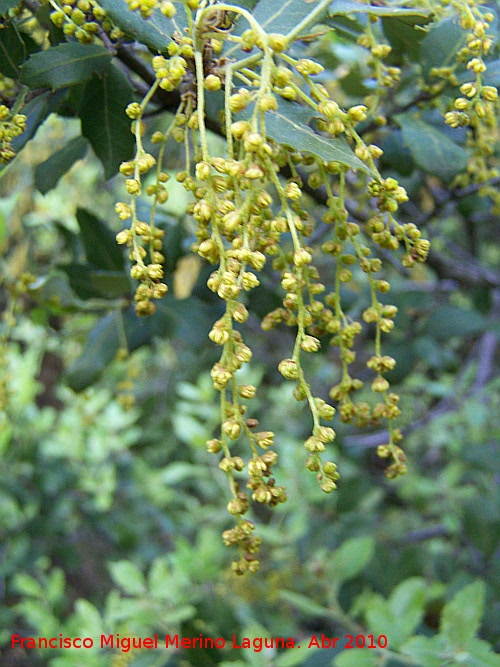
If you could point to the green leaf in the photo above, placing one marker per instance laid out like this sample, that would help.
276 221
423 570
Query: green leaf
288 126
303 603
128 576
448 321
432 150
351 558
188 319
295 656
281 16
404 39
48 173
427 651
89 619
99 242
36 111
480 654
90 283
100 349
397 617
12 51
461 616
357 658
64 65
6 5
104 121
441 45
155 32
409 16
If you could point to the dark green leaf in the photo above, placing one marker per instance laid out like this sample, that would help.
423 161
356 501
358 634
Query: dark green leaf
49 172
5 5
281 16
288 126
90 283
441 45
99 242
189 320
404 38
396 155
432 150
64 65
36 111
12 51
448 321
462 615
104 122
155 32
409 16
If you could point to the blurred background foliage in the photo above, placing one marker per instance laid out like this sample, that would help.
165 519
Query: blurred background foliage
111 509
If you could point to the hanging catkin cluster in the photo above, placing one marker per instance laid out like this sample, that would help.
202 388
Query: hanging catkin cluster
247 215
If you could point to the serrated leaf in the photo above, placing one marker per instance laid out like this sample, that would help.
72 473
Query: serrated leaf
462 615
155 32
286 126
441 45
104 121
99 242
409 16
64 65
48 173
128 576
351 558
432 150
357 658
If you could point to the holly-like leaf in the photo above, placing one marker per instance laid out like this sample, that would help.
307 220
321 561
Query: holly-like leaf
48 173
288 126
104 121
433 151
99 242
155 32
64 65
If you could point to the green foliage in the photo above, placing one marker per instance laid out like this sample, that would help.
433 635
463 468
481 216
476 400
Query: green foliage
111 507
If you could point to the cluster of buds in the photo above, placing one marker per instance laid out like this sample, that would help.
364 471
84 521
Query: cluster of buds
83 19
11 126
242 209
